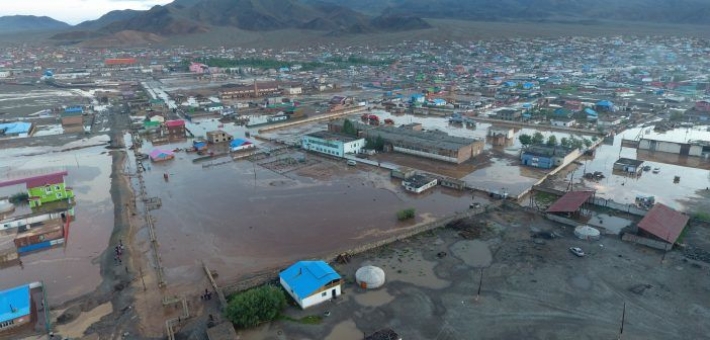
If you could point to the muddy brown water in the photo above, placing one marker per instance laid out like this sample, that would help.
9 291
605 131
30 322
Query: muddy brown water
236 224
71 270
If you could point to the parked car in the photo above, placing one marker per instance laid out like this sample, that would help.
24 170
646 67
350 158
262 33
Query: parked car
577 251
352 162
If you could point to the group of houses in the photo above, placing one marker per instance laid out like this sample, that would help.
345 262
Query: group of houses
51 209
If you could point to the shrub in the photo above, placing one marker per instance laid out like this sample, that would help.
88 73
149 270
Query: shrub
255 306
20 198
405 214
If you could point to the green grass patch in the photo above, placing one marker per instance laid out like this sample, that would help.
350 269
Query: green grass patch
306 320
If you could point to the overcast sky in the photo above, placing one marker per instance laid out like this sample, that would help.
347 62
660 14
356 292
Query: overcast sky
73 11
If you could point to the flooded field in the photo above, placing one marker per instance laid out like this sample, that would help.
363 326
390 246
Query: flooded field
70 270
21 100
224 215
624 189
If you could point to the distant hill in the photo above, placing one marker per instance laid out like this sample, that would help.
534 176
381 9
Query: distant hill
656 11
19 23
197 16
108 19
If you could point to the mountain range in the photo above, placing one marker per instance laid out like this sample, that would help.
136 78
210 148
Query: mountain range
338 17
20 23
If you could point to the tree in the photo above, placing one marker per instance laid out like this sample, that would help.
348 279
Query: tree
538 138
525 139
349 128
576 143
552 140
255 306
587 142
564 142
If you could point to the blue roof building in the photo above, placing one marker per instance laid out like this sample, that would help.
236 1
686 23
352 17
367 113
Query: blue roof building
15 307
240 144
311 282
16 129
74 110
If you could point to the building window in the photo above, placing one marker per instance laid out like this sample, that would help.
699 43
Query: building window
324 294
56 187
48 190
59 195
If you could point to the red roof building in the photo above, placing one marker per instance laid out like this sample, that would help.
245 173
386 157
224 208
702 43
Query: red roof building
664 223
120 61
570 202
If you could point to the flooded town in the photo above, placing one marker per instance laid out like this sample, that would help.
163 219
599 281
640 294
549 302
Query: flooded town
499 188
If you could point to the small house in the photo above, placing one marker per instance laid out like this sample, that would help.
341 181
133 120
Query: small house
628 165
311 282
15 307
158 155
547 157
608 121
563 121
48 188
214 107
72 116
418 183
240 144
218 136
176 127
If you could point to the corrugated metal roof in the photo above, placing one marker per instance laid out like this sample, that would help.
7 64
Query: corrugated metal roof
306 277
570 202
664 223
39 181
14 303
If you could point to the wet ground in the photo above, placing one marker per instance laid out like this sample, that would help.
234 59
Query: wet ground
530 290
70 270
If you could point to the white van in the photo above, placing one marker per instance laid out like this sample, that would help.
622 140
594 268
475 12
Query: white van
352 162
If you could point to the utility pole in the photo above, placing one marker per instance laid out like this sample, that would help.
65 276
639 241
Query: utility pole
623 318
480 284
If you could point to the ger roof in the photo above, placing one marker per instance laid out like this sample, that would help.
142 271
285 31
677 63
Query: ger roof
306 277
664 222
570 202
14 303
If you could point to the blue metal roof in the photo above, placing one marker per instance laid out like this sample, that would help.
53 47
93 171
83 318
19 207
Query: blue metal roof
306 277
238 142
16 128
605 103
14 303
590 112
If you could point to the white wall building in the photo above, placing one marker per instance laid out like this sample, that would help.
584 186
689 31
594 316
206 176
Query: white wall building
294 90
311 282
418 184
332 144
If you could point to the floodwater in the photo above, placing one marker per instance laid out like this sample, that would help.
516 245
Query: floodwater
240 218
624 189
611 224
72 269
19 100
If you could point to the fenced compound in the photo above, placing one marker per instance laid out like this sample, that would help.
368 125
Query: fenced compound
272 275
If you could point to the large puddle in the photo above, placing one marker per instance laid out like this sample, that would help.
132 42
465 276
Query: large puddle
70 270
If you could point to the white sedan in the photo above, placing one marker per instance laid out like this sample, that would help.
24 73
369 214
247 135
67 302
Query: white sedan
577 251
